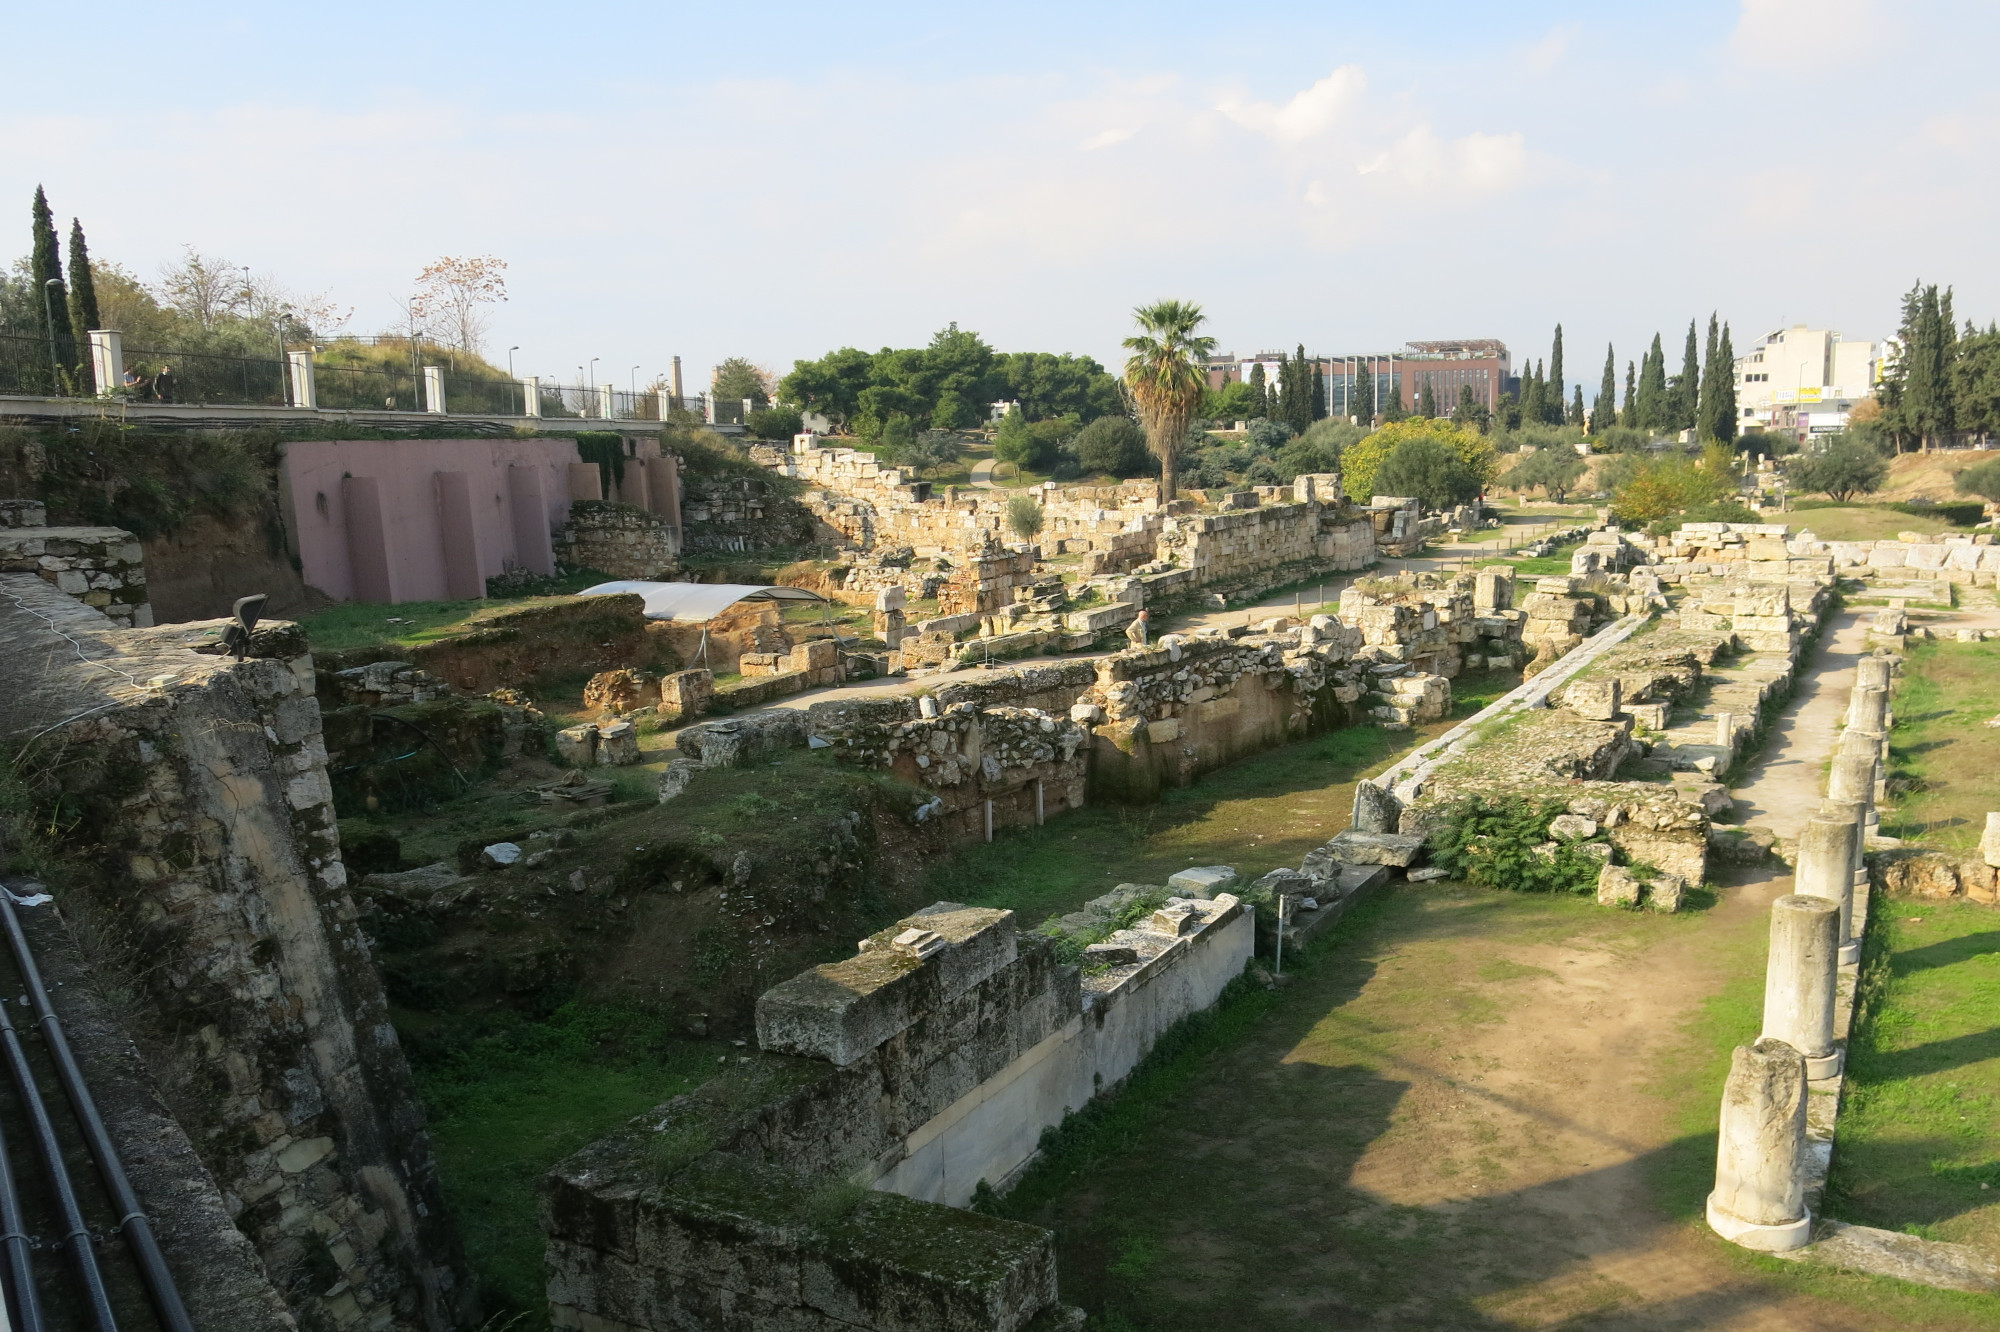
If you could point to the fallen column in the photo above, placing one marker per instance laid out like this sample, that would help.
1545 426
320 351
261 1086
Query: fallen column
1825 869
1759 1198
1800 979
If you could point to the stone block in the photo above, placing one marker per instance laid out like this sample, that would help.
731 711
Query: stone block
1597 700
576 746
1651 716
1372 848
618 744
1989 842
1572 827
1376 809
1203 881
1618 886
1666 893
840 1011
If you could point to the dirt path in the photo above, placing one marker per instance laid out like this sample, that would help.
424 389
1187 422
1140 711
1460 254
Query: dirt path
1474 1110
1784 787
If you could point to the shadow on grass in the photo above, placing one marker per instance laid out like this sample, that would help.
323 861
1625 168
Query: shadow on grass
1946 952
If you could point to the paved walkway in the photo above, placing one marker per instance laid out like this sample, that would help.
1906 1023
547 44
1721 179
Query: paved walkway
982 473
1782 789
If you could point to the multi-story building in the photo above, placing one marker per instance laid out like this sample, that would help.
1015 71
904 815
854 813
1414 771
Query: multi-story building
1480 364
1805 381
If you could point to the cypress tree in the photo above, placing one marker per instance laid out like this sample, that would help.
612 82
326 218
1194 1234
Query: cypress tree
1467 410
1706 426
1394 410
1552 398
1363 406
1726 417
1576 408
1427 403
1319 392
1681 390
1300 385
51 302
1260 404
1604 411
83 316
1630 416
1653 406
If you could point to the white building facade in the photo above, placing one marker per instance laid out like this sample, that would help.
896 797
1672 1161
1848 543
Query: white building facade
1805 381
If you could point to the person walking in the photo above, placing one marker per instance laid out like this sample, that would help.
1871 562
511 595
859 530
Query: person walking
164 384
1137 632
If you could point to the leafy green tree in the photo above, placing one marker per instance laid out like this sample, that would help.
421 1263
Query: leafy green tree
1319 448
736 378
1469 410
1430 470
1047 385
775 423
1166 377
1604 411
1975 382
933 449
1394 410
899 436
50 296
1554 471
1024 517
1018 443
1656 489
1234 401
1427 403
1361 461
1111 444
1845 468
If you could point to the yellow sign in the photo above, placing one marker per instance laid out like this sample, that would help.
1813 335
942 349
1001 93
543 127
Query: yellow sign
1808 394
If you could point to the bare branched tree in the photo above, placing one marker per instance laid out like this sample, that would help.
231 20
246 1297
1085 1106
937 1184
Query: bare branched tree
451 292
203 287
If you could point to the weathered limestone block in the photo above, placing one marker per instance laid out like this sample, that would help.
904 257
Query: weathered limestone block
621 690
842 1010
1618 886
1598 700
686 694
1989 841
617 744
576 746
1376 809
1572 827
1759 1197
1354 847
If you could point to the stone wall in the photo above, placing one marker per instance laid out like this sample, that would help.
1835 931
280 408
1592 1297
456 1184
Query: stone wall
618 539
725 511
200 799
103 567
926 1064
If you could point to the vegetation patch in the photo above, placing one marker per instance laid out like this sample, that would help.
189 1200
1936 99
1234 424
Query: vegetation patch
1942 755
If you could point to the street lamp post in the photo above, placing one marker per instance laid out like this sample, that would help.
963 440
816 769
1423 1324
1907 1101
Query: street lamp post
590 384
49 323
510 359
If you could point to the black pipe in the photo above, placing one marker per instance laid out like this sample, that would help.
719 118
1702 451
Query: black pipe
27 1309
75 1234
132 1221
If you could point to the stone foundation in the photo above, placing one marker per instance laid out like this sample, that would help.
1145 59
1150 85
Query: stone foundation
620 540
103 567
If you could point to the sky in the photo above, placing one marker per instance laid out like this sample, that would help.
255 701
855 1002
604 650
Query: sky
776 180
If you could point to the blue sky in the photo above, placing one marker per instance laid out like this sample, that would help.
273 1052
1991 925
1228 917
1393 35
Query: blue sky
777 180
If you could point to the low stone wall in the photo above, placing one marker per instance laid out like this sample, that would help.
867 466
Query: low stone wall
102 567
618 539
925 1064
1914 872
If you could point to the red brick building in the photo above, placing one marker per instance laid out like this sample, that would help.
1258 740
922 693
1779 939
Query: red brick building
1480 364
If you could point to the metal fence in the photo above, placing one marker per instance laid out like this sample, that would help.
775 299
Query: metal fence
24 365
202 379
347 388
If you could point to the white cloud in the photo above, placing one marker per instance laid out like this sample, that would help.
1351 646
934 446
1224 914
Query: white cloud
1791 33
1106 139
1546 54
1323 107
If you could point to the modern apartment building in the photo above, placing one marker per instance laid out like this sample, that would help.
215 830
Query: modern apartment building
1805 380
1480 364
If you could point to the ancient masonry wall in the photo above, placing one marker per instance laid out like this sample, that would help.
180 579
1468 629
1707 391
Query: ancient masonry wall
618 539
103 567
204 782
925 1064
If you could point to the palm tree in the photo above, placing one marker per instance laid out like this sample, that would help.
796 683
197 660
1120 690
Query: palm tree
1167 378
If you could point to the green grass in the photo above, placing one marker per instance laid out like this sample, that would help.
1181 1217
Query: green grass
353 624
1942 756
1861 522
1919 1139
1260 814
507 1105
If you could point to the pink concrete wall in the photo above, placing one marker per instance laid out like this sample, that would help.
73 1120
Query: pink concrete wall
424 538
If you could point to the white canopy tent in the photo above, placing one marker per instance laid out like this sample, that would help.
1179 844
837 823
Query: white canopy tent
697 603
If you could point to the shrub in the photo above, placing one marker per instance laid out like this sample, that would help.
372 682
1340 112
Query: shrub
1981 479
1018 443
1024 516
776 423
1494 844
931 450
1270 435
1619 439
1553 471
899 433
1113 444
1846 467
1431 470
1662 487
1959 515
1361 462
